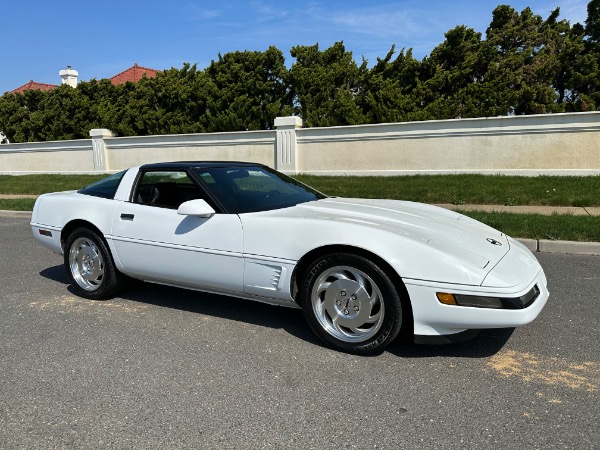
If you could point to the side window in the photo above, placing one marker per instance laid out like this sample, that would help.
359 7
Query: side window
104 188
166 189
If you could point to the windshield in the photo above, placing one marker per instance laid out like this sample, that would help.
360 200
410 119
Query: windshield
253 188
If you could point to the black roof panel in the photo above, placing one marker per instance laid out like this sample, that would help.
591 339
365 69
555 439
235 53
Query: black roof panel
202 164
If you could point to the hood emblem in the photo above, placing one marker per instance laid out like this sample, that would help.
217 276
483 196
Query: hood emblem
493 241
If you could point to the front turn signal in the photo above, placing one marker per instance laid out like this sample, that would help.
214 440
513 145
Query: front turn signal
446 299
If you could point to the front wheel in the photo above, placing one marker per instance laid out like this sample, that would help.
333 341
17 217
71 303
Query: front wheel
89 265
351 303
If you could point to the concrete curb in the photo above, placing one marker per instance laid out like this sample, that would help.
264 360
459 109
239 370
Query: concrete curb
576 248
5 213
570 247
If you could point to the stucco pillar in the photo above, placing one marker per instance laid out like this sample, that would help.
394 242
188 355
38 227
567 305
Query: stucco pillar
286 147
99 148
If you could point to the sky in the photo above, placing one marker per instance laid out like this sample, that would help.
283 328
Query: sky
100 39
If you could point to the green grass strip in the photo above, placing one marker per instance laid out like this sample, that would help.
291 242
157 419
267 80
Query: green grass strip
466 189
17 204
534 226
455 189
40 184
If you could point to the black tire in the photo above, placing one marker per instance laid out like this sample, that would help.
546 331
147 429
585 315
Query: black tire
341 291
90 267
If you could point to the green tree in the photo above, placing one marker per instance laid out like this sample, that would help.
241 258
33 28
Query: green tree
173 102
453 80
389 89
64 113
250 90
592 23
99 97
576 77
326 85
27 123
586 81
525 59
12 114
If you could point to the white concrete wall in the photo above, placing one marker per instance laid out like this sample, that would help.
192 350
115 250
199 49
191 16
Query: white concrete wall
526 145
254 146
561 144
47 157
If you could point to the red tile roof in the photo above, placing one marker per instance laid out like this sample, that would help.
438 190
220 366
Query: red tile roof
34 85
135 73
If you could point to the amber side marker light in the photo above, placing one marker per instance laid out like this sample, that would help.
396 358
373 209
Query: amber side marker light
446 299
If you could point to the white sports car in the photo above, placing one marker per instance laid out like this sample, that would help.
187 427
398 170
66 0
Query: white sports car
361 270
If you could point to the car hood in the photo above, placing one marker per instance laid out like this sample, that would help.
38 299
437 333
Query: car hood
452 233
445 230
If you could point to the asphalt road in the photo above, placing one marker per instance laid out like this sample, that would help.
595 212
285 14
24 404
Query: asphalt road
166 368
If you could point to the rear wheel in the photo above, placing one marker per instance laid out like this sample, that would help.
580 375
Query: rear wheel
351 303
89 265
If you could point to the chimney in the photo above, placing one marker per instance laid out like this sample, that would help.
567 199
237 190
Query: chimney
69 76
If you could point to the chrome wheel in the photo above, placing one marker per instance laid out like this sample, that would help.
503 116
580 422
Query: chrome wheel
347 304
86 264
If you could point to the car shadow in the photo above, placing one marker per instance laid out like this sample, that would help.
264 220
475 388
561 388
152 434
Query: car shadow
56 273
487 343
222 306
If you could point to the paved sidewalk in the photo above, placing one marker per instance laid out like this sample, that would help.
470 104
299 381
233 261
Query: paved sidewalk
13 196
543 210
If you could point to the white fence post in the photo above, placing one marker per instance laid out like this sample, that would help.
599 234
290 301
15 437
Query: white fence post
286 147
99 148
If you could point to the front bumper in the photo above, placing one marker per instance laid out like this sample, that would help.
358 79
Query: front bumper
432 318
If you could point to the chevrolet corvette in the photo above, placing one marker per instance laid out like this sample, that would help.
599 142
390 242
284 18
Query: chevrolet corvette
361 270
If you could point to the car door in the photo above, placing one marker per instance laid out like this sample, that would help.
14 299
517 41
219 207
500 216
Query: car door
154 243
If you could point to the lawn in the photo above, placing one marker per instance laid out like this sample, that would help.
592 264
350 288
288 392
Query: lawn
534 226
40 184
17 204
455 189
469 189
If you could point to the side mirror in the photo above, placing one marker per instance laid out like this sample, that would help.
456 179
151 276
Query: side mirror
197 208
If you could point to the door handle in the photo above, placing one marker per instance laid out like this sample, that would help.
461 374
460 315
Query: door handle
127 216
